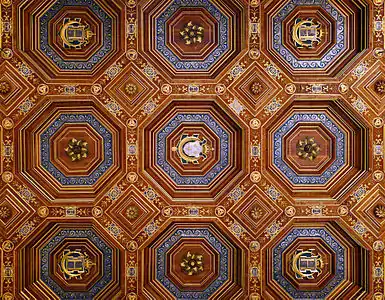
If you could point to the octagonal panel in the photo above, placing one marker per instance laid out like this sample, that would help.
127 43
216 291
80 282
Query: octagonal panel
299 253
194 260
308 148
76 259
62 26
198 30
323 23
75 151
198 267
309 261
76 147
73 156
311 149
70 261
192 37
314 36
71 36
194 148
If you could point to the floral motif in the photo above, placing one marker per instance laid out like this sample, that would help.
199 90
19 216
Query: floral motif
131 89
132 212
379 87
162 35
290 123
5 212
379 211
308 148
5 87
192 264
77 149
256 88
256 213
192 33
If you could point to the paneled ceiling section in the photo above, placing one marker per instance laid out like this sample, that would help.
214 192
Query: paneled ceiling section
192 149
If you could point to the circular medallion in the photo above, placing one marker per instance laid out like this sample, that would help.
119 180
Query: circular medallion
96 89
43 89
255 177
132 246
378 246
7 176
255 246
132 123
166 89
343 210
378 122
8 123
220 211
290 211
132 177
97 211
378 176
7 246
290 88
255 123
167 211
43 211
254 53
343 88
132 54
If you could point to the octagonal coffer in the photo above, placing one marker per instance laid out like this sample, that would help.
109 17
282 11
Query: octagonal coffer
194 148
316 152
317 37
192 38
75 146
193 260
72 261
70 37
309 260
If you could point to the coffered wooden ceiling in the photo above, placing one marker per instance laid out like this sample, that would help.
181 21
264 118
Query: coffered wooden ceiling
192 149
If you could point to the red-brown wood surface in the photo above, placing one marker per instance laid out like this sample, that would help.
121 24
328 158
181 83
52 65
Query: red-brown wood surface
192 149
